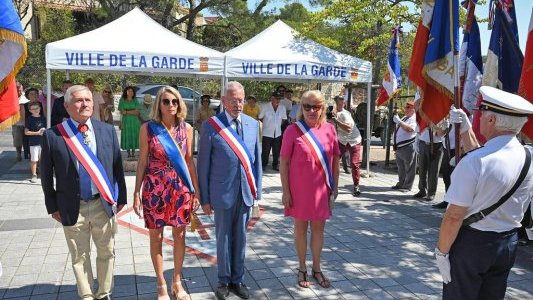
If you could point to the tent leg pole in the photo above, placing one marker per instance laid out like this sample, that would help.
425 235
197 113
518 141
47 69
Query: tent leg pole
67 75
368 133
48 98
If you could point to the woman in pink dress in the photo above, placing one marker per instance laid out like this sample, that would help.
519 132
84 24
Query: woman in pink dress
166 198
306 193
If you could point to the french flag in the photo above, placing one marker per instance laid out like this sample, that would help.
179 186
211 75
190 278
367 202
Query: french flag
471 62
504 58
431 67
392 80
13 54
525 88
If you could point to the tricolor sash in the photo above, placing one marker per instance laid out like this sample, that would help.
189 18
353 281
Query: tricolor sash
173 152
89 161
236 143
318 152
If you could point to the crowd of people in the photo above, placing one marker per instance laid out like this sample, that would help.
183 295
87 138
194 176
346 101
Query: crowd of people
81 160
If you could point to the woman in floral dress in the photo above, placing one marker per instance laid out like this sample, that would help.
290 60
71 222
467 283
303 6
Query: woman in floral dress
167 199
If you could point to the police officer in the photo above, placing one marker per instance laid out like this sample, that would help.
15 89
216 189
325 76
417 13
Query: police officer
475 260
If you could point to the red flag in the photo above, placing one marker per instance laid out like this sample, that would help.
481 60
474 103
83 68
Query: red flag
9 104
526 90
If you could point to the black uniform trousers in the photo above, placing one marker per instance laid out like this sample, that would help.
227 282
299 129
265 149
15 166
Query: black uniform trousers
268 144
480 264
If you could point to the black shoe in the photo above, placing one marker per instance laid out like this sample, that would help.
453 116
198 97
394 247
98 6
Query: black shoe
419 195
347 171
356 192
222 291
430 198
240 290
396 186
440 205
276 168
108 297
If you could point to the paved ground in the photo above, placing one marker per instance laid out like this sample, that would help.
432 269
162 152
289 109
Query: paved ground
378 246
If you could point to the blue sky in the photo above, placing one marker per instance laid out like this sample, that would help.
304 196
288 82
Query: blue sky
523 15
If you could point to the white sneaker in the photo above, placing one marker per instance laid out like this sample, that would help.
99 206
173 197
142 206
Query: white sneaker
33 179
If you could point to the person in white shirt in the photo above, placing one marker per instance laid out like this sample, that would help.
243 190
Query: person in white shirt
99 102
287 101
404 145
349 140
448 136
272 116
429 159
475 255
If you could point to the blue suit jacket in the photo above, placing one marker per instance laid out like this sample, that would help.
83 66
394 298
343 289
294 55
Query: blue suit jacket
220 172
58 159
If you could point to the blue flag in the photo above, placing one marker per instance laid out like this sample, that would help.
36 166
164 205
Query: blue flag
504 58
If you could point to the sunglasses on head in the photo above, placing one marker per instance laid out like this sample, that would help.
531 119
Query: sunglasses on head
308 107
166 102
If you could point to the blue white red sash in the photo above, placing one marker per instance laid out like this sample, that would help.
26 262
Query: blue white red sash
173 152
318 152
90 162
236 143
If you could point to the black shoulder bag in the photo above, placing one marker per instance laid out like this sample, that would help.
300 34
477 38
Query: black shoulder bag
484 213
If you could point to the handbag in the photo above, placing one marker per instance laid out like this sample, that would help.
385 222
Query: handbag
485 212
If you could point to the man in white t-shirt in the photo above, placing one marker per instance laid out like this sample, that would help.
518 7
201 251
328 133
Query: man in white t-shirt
475 255
97 99
272 116
349 140
404 145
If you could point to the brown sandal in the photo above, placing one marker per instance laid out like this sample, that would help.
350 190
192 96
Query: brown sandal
304 282
324 282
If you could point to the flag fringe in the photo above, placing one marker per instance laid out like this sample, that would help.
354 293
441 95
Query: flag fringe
10 121
20 39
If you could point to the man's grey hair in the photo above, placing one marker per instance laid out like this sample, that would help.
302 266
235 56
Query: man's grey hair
234 85
507 123
74 89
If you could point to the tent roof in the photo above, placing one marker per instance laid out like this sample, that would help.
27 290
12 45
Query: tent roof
281 46
134 43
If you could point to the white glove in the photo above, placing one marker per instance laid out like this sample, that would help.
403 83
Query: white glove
396 119
444 124
443 262
458 116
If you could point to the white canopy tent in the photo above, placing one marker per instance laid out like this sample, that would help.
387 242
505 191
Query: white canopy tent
134 44
278 53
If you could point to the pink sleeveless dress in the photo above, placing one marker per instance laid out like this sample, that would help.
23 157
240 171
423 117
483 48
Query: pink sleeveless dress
166 199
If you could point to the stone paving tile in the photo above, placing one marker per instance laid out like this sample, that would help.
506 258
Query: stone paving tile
378 246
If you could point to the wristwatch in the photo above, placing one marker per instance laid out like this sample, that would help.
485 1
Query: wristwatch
439 253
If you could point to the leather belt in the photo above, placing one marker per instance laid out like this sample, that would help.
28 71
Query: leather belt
93 197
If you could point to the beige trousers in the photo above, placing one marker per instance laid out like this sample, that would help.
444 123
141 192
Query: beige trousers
92 221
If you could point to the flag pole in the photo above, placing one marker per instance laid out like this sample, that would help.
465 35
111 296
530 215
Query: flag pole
456 83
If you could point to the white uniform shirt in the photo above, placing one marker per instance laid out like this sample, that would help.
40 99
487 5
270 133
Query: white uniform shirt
424 136
352 137
483 176
287 104
404 135
272 119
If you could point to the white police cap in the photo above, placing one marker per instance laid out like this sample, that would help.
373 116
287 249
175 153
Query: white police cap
504 103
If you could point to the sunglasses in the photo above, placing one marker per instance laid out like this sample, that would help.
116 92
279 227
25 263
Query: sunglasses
166 102
308 107
109 92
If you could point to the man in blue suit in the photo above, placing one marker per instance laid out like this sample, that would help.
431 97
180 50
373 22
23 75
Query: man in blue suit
74 200
227 187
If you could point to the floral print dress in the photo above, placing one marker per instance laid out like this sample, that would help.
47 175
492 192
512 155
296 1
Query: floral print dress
165 197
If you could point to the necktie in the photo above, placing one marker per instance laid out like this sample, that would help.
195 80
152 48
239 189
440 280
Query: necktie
237 127
85 180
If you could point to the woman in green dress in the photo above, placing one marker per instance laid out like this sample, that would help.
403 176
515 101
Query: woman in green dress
129 108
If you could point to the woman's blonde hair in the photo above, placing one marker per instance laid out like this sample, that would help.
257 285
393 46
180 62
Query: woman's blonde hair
314 94
155 114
